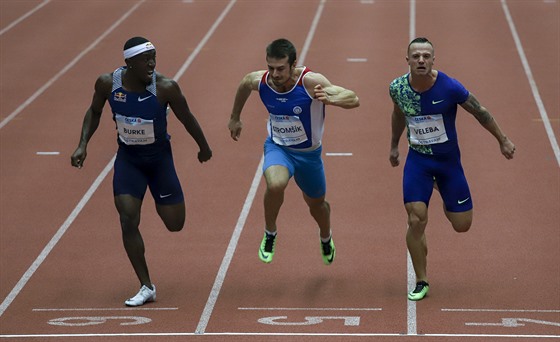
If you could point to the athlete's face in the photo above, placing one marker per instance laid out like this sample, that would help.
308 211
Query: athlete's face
420 58
143 66
280 71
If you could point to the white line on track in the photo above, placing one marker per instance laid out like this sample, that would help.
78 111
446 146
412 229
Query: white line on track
23 17
214 293
411 275
356 60
503 336
103 309
338 154
532 83
48 153
500 310
67 67
312 309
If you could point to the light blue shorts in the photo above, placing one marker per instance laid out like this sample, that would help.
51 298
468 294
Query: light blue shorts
306 167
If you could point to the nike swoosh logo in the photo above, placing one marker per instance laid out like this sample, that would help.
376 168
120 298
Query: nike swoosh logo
140 99
436 102
262 254
164 196
463 201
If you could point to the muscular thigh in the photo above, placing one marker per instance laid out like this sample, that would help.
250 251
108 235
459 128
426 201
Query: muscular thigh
274 155
310 173
418 179
128 177
453 186
163 180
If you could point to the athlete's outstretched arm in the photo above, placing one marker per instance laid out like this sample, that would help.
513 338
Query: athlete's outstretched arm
248 84
487 121
92 118
180 107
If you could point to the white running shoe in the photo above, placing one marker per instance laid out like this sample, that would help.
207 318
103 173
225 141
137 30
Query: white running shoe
143 296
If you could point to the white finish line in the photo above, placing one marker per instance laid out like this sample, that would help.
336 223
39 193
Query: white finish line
314 309
405 337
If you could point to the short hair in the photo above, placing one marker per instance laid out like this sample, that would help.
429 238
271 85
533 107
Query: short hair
134 41
282 48
419 40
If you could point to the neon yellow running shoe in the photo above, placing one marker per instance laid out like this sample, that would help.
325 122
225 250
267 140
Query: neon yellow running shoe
420 291
328 251
266 251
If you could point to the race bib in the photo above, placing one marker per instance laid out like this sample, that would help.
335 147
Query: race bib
426 129
135 131
287 130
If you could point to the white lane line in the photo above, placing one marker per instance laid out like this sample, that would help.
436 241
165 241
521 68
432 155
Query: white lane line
48 153
532 83
356 60
501 310
411 305
23 17
102 309
312 309
67 67
503 336
218 282
411 321
338 154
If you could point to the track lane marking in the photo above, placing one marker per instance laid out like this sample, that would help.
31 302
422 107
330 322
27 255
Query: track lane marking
411 321
102 309
277 334
500 310
312 309
23 17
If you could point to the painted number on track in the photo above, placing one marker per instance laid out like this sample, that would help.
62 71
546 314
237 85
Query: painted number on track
84 321
310 320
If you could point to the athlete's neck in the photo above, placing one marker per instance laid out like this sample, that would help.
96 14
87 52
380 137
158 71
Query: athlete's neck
422 83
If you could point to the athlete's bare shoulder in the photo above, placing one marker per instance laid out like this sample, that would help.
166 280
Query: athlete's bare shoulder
104 84
167 88
164 81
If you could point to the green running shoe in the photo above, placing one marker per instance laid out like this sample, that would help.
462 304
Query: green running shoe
266 251
328 251
420 291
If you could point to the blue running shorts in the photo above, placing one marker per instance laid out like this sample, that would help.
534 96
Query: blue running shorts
418 180
134 172
306 167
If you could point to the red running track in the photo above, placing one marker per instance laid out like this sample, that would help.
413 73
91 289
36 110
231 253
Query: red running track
500 281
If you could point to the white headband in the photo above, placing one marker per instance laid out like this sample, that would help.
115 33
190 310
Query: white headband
138 49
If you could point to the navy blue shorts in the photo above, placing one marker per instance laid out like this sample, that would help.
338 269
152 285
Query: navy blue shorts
418 180
306 167
135 172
